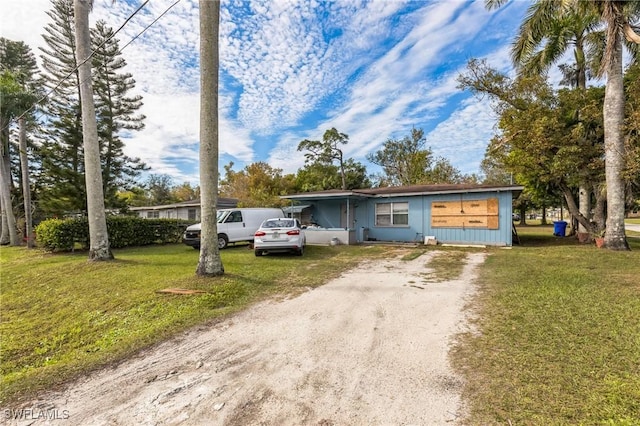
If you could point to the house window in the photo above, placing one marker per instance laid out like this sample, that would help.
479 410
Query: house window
154 214
392 214
191 214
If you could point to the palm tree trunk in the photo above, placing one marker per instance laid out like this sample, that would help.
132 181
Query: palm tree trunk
4 234
26 186
9 231
584 201
614 149
210 263
98 237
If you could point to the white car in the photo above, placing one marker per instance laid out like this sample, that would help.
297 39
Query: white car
279 234
234 225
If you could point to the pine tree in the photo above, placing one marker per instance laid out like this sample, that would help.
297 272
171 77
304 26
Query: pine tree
62 153
62 150
115 112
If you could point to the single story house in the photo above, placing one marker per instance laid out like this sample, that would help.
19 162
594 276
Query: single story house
187 210
456 214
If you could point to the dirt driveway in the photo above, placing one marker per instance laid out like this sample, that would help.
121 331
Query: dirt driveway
367 348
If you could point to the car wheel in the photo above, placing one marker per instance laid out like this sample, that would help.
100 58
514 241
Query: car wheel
258 253
196 247
300 251
223 241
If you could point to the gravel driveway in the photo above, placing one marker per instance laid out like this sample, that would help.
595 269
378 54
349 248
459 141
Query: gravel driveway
367 348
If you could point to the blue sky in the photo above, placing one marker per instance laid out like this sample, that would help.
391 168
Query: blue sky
292 69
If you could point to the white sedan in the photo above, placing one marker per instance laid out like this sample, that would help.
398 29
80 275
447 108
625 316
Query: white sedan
279 234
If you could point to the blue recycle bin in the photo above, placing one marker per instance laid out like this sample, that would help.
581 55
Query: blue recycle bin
559 228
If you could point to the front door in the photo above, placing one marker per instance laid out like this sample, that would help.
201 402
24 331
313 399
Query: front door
350 210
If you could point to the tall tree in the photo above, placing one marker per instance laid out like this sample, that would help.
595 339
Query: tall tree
26 182
10 106
257 185
62 149
18 67
404 161
159 189
327 151
617 16
632 172
209 263
98 236
320 176
16 57
185 192
408 161
542 40
543 141
493 166
116 112
62 152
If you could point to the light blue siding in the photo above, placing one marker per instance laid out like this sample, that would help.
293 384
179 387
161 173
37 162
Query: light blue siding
500 236
331 213
420 221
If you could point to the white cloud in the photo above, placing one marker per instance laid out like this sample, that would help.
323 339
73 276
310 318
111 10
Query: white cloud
286 65
22 22
400 89
464 136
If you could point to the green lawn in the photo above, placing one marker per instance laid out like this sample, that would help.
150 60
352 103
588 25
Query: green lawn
62 316
557 339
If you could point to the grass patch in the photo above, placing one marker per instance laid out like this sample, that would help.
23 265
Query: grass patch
556 338
412 255
445 265
63 316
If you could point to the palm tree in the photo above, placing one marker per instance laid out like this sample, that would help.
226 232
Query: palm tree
544 37
210 263
545 15
616 15
98 237
541 43
10 95
18 66
26 189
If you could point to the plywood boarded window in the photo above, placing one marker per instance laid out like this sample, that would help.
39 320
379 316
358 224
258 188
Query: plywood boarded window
465 214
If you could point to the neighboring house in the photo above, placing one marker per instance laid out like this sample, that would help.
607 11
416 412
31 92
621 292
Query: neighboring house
457 214
187 210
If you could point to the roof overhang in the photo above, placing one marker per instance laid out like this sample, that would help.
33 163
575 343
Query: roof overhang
516 190
324 196
399 192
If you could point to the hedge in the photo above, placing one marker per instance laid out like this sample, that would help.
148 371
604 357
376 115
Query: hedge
70 234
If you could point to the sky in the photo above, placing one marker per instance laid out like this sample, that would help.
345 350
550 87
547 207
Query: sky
291 69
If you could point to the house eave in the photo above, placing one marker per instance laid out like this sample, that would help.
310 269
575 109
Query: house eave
515 189
373 193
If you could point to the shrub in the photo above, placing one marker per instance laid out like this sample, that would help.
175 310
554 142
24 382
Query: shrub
62 234
67 234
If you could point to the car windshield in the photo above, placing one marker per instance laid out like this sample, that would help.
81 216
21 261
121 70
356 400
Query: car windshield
278 223
220 215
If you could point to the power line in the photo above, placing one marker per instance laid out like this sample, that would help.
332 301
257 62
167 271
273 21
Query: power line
148 26
46 95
